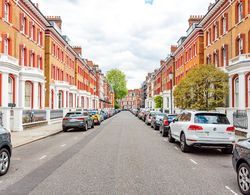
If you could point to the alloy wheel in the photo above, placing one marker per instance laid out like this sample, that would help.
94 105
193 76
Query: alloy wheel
4 162
182 142
244 179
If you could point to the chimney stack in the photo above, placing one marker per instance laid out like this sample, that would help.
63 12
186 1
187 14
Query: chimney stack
55 19
78 50
173 48
194 19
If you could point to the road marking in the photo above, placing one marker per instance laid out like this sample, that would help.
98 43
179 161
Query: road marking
193 161
233 192
176 148
63 145
44 156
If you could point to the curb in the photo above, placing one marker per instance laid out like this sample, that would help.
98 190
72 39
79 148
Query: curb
34 140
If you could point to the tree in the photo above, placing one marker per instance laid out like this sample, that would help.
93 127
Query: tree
117 80
158 101
204 88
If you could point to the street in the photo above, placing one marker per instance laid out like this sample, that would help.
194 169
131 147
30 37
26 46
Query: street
122 156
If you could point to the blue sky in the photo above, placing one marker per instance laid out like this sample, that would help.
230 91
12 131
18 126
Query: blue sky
125 34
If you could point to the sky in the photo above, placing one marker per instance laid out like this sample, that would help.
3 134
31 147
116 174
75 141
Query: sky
126 34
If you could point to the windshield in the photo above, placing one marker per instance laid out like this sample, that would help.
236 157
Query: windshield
171 117
74 114
207 118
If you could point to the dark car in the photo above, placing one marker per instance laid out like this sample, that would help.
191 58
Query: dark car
164 126
157 120
5 150
241 164
80 120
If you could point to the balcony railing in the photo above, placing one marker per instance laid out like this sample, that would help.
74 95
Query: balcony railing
8 59
240 58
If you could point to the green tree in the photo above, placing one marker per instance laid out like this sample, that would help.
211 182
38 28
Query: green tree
117 80
158 101
204 88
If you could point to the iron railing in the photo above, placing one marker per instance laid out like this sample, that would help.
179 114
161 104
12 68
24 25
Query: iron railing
240 119
31 116
56 114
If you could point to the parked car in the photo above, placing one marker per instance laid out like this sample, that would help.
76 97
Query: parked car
241 164
157 119
95 116
164 126
5 150
203 130
77 119
148 117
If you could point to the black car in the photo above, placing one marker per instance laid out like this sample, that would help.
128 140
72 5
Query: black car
241 164
5 151
164 126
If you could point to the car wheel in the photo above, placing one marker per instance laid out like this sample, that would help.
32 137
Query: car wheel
86 127
92 126
155 127
170 138
65 129
163 133
183 144
243 178
227 150
4 161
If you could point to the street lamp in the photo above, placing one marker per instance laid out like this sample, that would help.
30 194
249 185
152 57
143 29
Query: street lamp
171 75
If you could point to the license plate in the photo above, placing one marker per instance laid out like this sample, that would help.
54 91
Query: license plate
72 120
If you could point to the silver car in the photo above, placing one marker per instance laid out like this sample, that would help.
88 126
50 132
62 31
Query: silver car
80 120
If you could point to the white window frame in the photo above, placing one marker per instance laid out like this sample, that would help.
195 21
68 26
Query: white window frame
240 42
240 11
224 53
6 46
28 96
7 12
32 56
22 57
224 25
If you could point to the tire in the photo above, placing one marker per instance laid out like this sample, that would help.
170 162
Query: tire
155 128
92 126
170 138
65 129
5 159
85 128
164 133
227 150
184 147
243 178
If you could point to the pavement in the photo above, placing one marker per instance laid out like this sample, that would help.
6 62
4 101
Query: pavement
35 133
122 156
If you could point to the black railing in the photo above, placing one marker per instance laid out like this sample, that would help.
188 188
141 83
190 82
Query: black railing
56 114
32 116
1 119
240 119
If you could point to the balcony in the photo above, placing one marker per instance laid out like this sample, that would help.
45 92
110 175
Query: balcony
240 59
8 59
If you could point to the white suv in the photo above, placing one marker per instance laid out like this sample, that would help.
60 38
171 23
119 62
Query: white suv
203 130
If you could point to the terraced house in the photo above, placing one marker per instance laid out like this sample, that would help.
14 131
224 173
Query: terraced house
42 76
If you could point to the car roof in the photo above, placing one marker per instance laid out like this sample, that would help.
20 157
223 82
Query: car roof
201 112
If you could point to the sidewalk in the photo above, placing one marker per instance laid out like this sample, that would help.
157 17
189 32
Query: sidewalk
34 134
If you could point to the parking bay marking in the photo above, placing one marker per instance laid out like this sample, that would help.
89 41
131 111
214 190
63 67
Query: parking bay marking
44 156
193 161
231 190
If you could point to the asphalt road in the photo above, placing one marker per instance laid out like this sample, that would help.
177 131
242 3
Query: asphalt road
122 156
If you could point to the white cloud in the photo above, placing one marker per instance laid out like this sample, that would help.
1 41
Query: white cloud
125 34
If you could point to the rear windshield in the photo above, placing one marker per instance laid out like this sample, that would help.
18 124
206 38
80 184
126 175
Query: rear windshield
171 117
211 119
74 114
92 113
160 115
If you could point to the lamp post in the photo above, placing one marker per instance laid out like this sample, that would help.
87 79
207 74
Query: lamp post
171 92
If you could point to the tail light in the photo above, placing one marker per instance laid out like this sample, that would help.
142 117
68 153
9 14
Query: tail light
81 118
231 129
195 128
166 123
65 119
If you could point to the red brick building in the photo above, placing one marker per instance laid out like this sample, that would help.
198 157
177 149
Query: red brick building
132 100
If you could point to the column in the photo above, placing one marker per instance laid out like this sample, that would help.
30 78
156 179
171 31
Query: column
35 94
56 99
242 91
22 94
17 91
5 81
64 99
18 119
43 95
230 92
